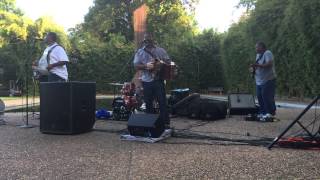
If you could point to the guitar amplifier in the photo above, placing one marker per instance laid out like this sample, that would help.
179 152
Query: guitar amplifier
242 104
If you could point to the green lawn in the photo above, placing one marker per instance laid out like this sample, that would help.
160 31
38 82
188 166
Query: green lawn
100 103
10 98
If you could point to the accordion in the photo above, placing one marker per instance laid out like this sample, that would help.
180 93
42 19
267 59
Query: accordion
165 71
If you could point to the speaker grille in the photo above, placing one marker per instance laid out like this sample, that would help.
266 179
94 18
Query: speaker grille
241 101
67 107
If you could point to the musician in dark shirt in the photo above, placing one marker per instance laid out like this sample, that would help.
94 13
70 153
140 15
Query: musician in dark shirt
153 86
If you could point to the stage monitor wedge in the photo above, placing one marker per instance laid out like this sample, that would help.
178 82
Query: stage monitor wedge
241 104
145 125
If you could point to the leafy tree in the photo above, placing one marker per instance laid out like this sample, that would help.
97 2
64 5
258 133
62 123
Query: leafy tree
248 4
9 6
18 34
108 30
289 30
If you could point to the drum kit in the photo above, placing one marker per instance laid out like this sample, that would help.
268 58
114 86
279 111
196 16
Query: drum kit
129 101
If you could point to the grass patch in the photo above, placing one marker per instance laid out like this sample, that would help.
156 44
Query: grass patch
104 103
10 98
100 103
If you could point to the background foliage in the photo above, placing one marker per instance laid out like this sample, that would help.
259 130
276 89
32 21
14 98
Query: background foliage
103 44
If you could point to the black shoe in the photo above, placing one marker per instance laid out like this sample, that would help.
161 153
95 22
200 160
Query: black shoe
167 126
251 117
173 115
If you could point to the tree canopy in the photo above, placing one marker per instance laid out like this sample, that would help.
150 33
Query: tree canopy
103 43
289 28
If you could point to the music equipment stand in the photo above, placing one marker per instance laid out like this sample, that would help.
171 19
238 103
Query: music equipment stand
114 88
2 108
299 123
27 125
27 66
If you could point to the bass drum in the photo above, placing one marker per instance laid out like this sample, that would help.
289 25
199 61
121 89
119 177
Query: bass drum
119 110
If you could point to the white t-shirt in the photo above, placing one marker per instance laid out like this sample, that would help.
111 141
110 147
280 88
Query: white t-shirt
58 54
42 63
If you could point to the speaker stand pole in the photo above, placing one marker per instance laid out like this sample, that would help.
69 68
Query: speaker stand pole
296 121
34 97
27 125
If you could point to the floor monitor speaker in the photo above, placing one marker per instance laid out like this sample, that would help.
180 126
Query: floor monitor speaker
241 104
145 125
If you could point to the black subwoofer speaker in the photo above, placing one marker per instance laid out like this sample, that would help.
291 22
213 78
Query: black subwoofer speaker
145 125
67 107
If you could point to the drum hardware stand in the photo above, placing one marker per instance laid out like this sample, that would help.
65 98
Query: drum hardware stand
2 108
313 136
35 84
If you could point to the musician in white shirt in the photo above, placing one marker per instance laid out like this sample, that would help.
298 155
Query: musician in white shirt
53 61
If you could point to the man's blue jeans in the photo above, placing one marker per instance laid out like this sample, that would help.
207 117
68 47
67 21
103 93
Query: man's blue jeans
155 90
265 95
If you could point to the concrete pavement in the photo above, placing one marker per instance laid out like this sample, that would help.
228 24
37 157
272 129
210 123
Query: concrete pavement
225 149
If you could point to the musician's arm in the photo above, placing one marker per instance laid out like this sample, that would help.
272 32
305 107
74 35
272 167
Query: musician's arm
168 61
137 62
268 61
60 63
140 66
165 56
268 64
265 65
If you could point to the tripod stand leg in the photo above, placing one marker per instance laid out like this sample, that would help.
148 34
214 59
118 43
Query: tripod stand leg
27 125
2 121
294 122
305 129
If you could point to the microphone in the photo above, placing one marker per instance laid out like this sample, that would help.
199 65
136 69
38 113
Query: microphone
38 39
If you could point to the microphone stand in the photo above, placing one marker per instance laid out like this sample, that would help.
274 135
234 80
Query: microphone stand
27 125
2 108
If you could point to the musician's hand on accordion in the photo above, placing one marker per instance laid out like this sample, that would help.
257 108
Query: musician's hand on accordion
163 70
150 66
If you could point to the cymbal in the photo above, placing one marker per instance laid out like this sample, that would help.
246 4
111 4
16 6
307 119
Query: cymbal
116 84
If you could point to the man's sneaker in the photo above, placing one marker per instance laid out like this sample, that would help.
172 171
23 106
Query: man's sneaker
268 115
259 115
267 118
